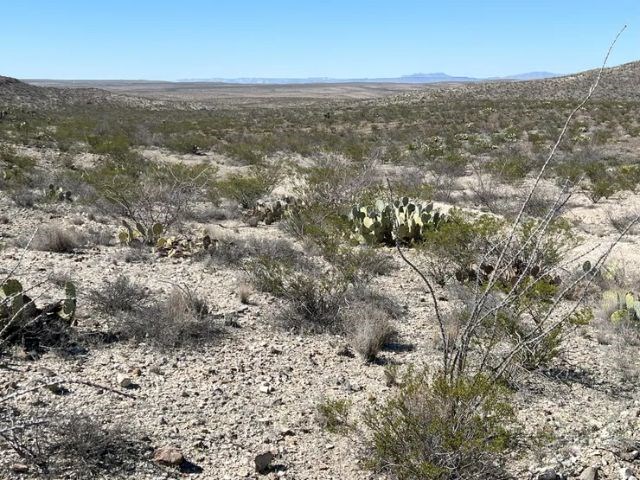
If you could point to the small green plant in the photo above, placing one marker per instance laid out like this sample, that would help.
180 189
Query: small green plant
333 415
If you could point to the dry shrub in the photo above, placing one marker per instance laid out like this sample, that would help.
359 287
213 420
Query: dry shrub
119 296
56 239
244 293
76 445
180 320
314 305
370 330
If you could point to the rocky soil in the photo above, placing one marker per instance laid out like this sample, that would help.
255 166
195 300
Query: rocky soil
245 406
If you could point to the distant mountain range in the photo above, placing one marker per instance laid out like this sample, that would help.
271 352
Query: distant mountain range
414 78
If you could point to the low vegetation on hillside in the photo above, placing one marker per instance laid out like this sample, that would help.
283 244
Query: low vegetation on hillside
434 241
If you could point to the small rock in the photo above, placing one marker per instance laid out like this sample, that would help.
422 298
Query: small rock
168 456
625 473
265 388
548 474
19 468
263 462
124 381
589 473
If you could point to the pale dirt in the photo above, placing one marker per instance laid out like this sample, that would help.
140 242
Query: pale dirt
208 401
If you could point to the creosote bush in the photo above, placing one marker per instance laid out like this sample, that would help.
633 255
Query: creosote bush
436 429
247 189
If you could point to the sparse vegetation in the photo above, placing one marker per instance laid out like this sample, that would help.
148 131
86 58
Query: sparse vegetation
180 320
56 239
304 220
333 415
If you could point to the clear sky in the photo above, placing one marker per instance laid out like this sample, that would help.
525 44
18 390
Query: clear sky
161 39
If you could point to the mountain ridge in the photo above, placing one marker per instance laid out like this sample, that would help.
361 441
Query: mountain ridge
418 78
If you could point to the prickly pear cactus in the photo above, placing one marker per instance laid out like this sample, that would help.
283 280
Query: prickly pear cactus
403 220
624 305
140 233
12 298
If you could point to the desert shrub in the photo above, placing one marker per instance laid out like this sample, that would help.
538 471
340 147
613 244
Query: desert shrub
77 444
315 301
486 191
439 429
147 194
15 169
180 320
235 251
56 239
23 196
246 190
117 146
334 183
454 247
333 415
314 304
510 167
369 329
119 296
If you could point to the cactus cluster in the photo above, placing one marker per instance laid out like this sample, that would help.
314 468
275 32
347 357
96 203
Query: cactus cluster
140 233
176 247
401 220
625 307
58 193
18 309
271 212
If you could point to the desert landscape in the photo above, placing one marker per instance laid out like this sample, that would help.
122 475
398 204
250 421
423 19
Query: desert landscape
321 281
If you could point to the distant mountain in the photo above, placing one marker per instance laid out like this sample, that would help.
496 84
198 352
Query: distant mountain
418 78
532 76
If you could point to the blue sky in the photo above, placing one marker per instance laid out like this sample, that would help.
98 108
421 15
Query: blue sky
144 39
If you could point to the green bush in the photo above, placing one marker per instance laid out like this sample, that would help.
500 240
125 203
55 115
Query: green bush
438 429
333 415
246 190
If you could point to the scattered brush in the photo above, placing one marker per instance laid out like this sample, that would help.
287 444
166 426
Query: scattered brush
119 296
180 320
56 239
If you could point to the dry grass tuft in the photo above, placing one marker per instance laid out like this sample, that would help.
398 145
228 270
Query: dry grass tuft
56 239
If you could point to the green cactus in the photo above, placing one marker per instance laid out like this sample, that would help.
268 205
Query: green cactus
11 292
624 305
401 219
140 233
68 310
